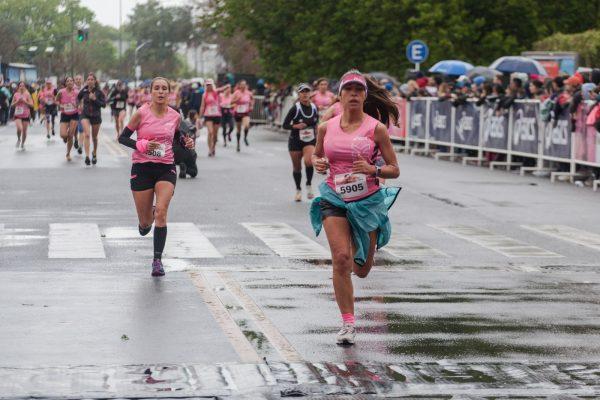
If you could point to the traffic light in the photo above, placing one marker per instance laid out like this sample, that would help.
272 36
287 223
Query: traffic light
82 35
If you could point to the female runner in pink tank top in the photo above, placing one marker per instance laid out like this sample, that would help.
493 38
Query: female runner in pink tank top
153 171
243 103
333 111
210 114
22 104
322 97
346 146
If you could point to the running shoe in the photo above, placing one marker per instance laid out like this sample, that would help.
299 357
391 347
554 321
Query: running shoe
246 141
22 146
346 335
68 157
87 161
47 135
182 171
79 150
229 137
238 148
157 268
298 196
53 132
309 193
94 159
76 144
18 143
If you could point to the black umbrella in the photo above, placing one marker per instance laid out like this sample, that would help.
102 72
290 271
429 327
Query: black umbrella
486 72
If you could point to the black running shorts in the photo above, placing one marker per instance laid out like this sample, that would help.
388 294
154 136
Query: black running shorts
329 210
145 175
295 144
66 118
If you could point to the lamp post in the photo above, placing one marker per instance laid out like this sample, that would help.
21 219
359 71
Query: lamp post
135 53
49 50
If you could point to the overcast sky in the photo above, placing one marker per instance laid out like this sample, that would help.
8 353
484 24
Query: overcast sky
107 11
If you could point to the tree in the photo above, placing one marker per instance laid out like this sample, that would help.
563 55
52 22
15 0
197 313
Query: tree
164 27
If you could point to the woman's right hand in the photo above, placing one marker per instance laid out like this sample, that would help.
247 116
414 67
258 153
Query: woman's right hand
321 165
152 145
300 125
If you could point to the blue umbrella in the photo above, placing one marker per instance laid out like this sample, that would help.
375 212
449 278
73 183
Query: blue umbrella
512 64
451 67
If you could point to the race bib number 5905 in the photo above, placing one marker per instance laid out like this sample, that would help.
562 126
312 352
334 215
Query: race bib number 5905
350 185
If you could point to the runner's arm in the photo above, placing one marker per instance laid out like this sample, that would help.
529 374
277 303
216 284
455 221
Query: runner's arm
317 158
390 170
125 136
287 123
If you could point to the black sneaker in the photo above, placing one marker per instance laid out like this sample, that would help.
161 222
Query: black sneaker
87 161
53 132
144 231
182 171
47 135
94 159
80 150
76 144
246 141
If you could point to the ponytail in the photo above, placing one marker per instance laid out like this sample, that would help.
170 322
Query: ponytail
379 103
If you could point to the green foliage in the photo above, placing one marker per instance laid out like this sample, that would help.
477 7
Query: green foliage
301 40
165 27
587 44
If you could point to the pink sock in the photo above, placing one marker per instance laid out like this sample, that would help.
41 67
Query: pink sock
348 318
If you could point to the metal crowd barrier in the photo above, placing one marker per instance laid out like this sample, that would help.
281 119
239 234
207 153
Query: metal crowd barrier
517 132
258 115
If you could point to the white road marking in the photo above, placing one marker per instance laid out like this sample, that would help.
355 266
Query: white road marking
16 237
405 246
123 232
237 339
275 337
568 233
286 241
75 240
495 242
184 240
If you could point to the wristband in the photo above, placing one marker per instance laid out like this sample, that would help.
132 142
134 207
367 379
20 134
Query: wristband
141 145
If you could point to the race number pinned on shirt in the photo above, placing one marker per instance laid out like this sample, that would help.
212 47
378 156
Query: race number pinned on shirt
19 110
49 102
158 152
120 104
212 110
242 109
350 185
307 134
69 108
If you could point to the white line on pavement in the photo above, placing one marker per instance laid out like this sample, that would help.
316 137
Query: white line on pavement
184 240
224 319
405 246
568 233
286 241
492 241
75 240
275 337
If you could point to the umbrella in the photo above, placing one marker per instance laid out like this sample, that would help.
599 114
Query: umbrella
519 64
486 72
451 67
380 76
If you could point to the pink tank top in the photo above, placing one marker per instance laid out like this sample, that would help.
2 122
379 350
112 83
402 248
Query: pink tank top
47 96
22 109
225 101
156 129
342 149
68 101
323 100
172 99
211 104
242 105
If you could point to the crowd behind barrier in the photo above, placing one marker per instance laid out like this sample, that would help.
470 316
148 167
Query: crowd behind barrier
514 137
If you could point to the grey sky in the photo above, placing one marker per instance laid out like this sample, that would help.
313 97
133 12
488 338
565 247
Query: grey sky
107 11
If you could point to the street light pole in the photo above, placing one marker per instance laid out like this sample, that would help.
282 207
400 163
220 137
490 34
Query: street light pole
135 56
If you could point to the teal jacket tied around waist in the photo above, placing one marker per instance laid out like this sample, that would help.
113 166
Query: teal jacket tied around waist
365 215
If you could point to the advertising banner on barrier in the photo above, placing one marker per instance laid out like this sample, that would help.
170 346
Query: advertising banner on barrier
399 130
557 138
466 124
585 135
495 129
525 127
440 121
418 122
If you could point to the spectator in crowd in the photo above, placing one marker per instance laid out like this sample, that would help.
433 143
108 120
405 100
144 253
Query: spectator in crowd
536 90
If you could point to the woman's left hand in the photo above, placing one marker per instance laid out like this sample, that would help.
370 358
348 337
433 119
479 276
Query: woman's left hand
189 143
363 167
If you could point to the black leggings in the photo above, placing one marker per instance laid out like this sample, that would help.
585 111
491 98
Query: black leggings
227 124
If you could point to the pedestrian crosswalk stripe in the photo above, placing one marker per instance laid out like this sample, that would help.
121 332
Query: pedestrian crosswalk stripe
498 243
568 233
405 246
75 240
286 241
185 240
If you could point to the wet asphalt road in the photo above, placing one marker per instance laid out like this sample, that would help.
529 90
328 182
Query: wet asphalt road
489 287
